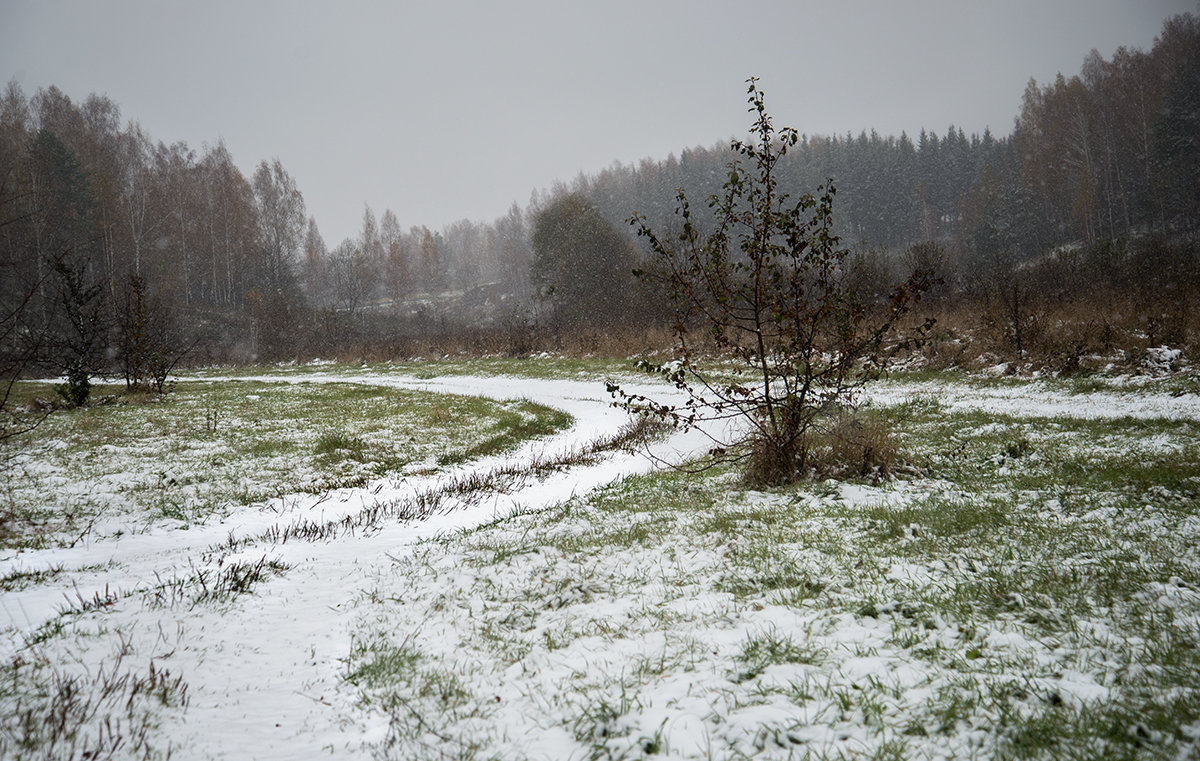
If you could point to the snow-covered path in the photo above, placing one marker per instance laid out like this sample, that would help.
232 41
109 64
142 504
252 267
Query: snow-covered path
264 671
264 679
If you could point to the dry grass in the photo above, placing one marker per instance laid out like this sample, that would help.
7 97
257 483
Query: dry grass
859 445
1102 332
499 341
847 444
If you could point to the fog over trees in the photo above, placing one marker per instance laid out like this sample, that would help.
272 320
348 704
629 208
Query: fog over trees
101 222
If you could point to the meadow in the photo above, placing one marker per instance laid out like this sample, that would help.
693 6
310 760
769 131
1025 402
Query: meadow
478 559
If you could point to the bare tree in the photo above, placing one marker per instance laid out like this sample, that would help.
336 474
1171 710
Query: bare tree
316 258
150 342
281 224
396 274
349 277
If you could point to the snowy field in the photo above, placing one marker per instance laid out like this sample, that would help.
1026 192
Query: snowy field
368 563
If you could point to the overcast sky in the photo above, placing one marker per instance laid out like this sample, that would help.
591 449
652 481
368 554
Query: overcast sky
449 110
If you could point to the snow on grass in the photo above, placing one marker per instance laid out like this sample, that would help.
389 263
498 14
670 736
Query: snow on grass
1051 612
258 666
1036 593
210 447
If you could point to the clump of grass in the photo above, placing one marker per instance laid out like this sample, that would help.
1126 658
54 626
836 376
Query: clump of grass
860 445
1017 448
236 579
49 712
20 579
598 722
204 585
383 664
98 601
771 648
338 443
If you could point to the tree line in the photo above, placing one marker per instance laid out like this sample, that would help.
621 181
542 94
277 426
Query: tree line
102 227
97 219
1103 163
1105 154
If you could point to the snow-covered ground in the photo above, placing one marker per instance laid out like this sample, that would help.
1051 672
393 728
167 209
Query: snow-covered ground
263 672
279 672
1035 400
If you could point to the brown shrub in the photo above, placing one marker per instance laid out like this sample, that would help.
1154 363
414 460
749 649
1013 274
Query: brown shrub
860 444
848 445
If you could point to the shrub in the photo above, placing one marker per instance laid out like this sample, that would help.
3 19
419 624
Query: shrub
77 389
863 445
773 291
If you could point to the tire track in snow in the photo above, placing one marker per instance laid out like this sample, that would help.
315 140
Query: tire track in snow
264 672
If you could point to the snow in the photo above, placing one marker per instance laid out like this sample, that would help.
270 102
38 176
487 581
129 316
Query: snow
1033 400
263 674
266 672
1162 359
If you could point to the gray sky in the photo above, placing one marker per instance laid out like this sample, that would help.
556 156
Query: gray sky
450 110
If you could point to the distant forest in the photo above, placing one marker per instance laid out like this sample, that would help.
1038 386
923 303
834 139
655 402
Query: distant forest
122 254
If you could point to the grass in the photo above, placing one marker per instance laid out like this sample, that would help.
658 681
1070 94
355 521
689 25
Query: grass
382 664
234 443
762 651
1030 589
21 579
1035 595
50 711
339 444
225 583
526 420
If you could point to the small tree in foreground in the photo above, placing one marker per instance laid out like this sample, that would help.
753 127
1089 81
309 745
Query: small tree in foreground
767 289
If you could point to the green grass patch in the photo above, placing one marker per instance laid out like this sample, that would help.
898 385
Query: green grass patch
339 444
526 420
208 447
